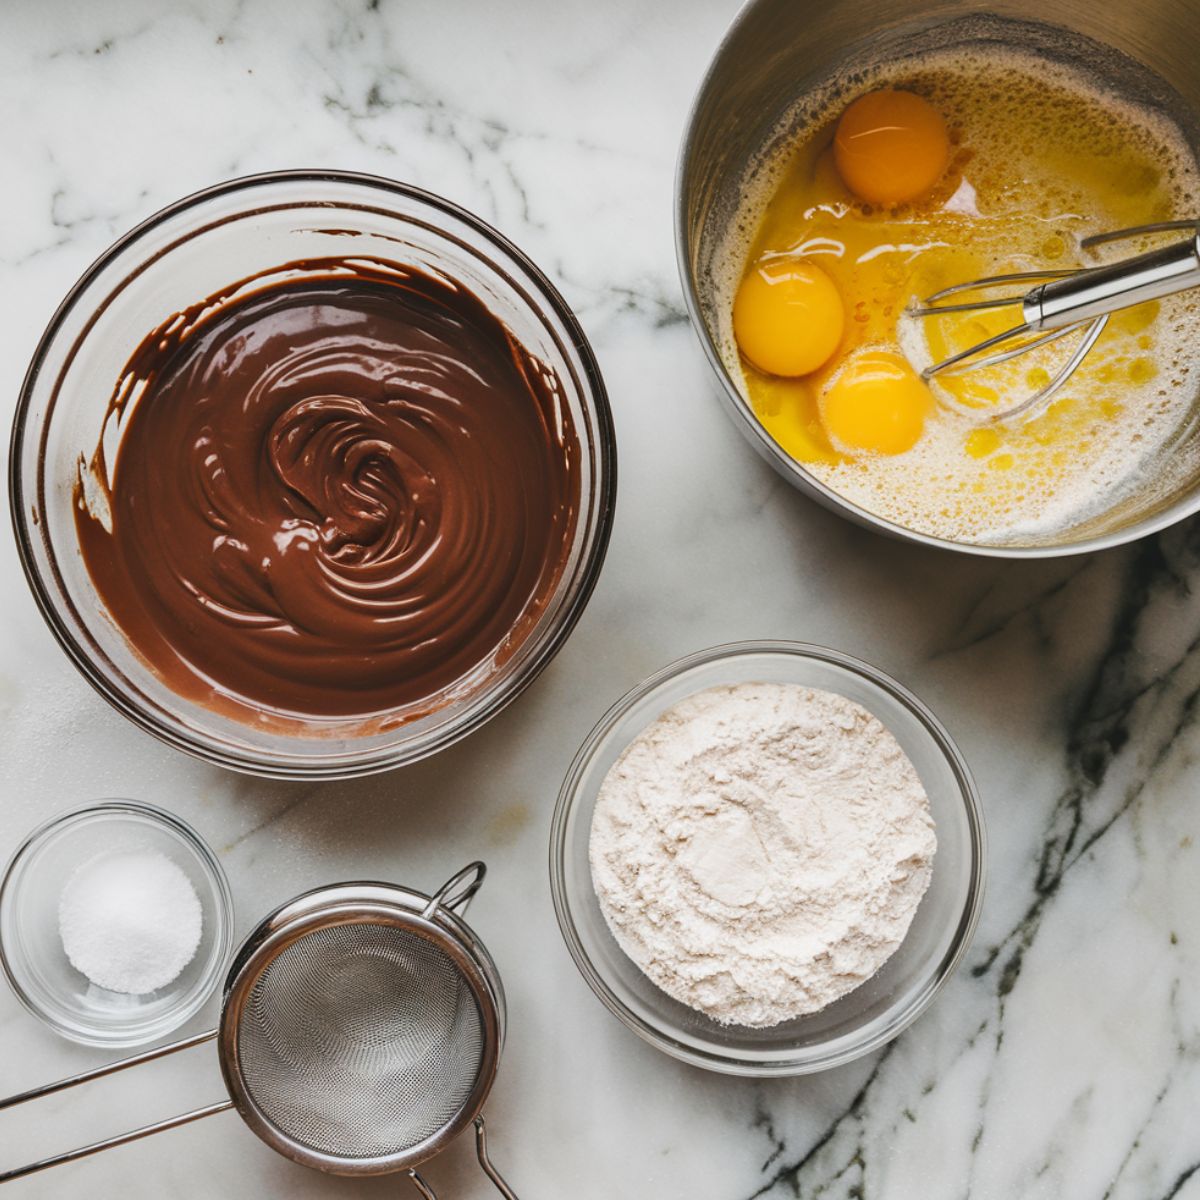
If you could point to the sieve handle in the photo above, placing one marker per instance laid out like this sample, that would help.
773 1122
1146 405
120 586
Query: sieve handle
120 1140
60 1085
134 1060
484 1161
421 1185
456 893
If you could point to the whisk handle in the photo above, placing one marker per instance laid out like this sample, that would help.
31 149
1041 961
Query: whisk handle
1098 290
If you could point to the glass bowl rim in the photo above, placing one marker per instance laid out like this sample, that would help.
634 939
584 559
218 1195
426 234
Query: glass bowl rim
278 765
812 1061
206 984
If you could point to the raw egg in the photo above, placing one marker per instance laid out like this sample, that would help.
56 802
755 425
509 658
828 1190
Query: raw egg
877 404
787 316
1042 156
891 147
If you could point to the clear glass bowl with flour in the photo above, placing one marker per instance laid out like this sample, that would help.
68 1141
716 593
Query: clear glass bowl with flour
75 947
836 1025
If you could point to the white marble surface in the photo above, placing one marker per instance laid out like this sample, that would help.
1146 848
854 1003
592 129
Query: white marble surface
1063 1061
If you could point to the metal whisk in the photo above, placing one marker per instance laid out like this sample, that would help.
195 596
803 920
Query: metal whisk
361 1027
1062 302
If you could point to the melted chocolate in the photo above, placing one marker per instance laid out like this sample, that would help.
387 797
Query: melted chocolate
346 493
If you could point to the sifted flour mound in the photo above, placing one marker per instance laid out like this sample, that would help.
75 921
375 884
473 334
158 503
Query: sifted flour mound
760 850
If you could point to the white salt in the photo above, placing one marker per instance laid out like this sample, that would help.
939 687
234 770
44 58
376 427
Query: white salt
130 921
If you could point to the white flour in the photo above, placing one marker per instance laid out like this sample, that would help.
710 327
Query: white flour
760 850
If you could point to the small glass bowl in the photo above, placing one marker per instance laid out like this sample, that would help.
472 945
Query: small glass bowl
31 950
199 247
873 1013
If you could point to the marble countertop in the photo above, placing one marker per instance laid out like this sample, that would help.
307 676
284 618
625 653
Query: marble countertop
1063 1061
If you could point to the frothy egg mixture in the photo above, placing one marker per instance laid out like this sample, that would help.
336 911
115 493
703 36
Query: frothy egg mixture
965 164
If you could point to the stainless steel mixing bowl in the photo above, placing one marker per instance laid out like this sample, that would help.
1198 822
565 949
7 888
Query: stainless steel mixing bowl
746 110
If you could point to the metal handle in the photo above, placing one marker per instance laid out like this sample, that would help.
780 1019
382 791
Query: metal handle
120 1139
1098 290
421 1185
484 1161
457 892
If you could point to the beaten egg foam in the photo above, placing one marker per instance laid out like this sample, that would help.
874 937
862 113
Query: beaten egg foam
1008 161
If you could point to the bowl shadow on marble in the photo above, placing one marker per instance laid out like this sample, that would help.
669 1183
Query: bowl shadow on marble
477 797
985 640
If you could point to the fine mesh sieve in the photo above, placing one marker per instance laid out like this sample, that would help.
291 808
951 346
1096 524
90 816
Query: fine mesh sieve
359 1039
360 1032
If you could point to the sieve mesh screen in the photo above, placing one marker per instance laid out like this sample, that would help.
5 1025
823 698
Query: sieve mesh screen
360 1040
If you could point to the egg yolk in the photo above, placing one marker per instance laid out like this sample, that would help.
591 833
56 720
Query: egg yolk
877 404
891 147
787 316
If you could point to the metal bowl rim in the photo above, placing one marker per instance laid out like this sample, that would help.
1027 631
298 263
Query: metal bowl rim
738 408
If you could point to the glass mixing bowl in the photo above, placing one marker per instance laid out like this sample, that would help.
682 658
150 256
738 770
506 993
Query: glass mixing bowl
31 950
194 249
873 1013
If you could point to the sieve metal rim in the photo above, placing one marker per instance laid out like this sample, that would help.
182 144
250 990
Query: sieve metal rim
349 904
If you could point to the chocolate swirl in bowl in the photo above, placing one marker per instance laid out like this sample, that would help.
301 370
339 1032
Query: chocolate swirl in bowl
343 492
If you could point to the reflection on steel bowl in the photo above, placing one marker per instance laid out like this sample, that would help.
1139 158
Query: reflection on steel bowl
749 115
